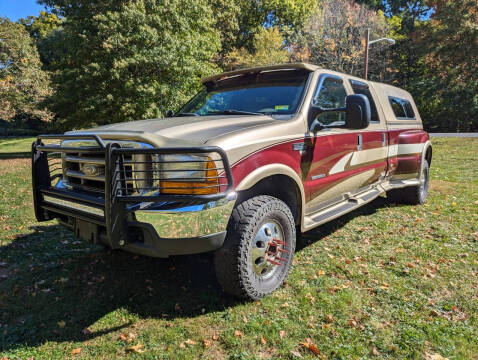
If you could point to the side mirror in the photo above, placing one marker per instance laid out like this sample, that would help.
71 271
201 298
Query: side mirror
357 112
170 113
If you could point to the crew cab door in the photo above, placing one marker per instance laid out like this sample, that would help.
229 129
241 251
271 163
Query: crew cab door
372 156
330 149
343 162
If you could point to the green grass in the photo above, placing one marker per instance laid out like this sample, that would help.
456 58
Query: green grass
15 147
385 282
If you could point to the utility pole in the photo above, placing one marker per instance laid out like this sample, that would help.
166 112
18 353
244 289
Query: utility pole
367 47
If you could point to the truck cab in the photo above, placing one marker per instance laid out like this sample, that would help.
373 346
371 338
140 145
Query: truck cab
257 155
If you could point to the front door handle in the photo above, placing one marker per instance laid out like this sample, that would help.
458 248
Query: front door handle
384 139
359 142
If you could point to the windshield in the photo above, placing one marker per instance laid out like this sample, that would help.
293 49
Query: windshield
268 92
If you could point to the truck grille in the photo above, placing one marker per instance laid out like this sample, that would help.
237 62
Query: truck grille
86 171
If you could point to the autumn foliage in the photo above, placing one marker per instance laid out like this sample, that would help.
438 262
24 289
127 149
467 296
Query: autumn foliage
96 62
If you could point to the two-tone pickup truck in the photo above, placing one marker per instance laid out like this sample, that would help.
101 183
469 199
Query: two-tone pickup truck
255 156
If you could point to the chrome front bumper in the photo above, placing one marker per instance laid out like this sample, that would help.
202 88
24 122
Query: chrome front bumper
172 221
156 224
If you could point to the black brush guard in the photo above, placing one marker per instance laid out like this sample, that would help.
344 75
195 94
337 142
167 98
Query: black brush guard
115 201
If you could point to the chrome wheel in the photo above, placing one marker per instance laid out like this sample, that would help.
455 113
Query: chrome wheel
424 179
267 249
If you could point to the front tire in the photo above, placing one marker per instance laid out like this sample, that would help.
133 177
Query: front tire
259 247
413 195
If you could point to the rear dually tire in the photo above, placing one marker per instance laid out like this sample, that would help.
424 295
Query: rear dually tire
413 195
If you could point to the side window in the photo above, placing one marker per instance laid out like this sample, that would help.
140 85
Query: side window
409 110
402 108
361 88
331 94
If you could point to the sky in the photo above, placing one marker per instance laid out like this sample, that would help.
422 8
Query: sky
15 9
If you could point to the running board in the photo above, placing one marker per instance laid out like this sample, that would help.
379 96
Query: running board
337 210
399 184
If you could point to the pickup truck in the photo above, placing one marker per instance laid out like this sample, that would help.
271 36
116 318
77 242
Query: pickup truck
257 155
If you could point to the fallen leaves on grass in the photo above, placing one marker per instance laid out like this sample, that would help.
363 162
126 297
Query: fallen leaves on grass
429 356
332 290
385 286
137 349
282 334
128 337
188 342
375 352
310 297
76 351
86 331
206 343
238 333
354 323
454 315
263 340
61 324
307 344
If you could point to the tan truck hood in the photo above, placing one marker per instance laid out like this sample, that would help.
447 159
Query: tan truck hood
193 129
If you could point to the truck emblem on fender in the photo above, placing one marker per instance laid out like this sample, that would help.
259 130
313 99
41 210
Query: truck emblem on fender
90 170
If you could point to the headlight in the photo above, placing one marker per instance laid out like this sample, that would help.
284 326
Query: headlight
188 174
182 166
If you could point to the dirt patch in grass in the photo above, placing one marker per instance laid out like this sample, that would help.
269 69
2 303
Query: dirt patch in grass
12 165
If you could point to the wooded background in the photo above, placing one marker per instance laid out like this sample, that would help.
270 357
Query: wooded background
90 62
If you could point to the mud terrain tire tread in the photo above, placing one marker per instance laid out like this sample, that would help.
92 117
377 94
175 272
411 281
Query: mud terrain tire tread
233 269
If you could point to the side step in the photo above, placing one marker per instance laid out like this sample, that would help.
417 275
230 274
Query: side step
337 210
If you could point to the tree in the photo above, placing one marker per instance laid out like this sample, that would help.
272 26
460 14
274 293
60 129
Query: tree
23 84
46 32
129 60
41 25
268 49
333 37
448 47
239 21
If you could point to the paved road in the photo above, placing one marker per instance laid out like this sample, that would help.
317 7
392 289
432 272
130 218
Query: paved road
460 135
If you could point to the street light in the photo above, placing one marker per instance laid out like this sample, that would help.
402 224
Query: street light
367 46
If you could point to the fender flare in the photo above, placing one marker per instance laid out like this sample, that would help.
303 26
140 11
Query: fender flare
270 170
428 145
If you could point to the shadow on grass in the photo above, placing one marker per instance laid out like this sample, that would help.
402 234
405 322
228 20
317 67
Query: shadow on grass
50 278
317 234
15 155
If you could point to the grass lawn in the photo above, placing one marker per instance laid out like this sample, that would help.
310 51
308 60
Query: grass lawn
15 147
384 282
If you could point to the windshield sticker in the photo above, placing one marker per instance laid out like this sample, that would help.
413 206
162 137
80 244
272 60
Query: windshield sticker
282 107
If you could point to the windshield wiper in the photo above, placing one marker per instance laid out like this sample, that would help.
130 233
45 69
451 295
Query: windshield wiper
233 112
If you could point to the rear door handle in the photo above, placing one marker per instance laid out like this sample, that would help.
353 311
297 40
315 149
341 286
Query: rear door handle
384 139
359 142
